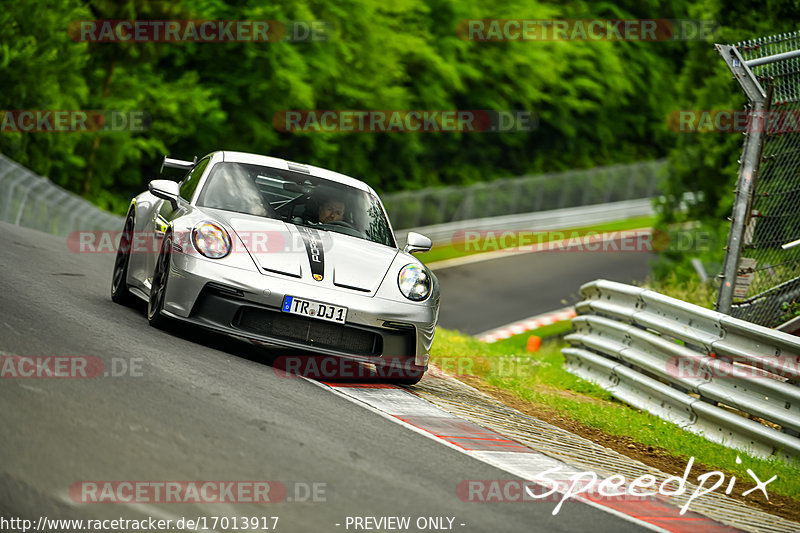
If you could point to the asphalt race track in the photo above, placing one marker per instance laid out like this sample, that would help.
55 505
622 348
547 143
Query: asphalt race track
199 407
481 296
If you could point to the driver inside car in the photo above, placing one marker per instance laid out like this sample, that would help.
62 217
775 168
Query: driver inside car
329 207
331 210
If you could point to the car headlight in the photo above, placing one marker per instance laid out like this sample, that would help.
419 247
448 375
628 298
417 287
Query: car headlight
414 282
211 240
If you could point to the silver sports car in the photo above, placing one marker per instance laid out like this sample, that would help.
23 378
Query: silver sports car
283 254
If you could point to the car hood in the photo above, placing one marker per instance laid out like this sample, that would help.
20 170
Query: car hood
313 256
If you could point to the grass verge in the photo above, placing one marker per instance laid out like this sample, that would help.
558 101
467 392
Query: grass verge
689 290
536 383
451 250
551 331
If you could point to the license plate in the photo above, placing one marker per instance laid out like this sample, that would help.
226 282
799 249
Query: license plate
300 306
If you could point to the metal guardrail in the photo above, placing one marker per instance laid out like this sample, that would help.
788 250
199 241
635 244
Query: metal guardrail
524 194
556 219
708 372
30 200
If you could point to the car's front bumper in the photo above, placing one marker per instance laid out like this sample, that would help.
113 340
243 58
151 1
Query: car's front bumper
248 304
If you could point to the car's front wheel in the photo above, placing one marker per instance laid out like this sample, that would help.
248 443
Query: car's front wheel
119 280
158 289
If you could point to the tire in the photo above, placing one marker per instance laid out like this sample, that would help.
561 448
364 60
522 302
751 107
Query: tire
158 289
120 293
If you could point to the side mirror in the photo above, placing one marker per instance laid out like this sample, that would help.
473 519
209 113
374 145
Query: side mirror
166 190
417 243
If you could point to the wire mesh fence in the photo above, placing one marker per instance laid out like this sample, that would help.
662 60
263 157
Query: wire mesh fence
767 286
33 201
526 194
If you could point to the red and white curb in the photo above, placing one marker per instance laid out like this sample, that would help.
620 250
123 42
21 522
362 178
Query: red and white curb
406 408
528 324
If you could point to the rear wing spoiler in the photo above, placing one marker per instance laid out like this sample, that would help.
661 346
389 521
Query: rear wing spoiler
176 163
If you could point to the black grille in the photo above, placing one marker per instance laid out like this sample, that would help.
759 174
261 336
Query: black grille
308 331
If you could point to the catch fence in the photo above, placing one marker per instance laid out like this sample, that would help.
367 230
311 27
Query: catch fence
761 274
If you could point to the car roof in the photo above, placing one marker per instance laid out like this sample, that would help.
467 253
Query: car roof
274 162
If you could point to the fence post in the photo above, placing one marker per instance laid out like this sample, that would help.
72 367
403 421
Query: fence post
748 172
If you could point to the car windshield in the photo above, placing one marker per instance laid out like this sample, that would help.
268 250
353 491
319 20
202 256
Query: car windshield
296 198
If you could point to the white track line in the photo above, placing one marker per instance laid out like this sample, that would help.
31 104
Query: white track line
516 464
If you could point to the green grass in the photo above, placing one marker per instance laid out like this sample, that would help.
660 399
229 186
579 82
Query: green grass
692 290
518 342
449 251
540 379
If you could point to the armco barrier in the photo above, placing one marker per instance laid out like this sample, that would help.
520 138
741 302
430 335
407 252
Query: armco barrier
525 194
556 219
731 381
30 200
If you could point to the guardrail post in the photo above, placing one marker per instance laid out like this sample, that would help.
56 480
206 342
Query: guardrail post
443 196
25 196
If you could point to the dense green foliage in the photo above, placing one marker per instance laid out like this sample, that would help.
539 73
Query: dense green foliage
706 163
596 102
